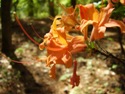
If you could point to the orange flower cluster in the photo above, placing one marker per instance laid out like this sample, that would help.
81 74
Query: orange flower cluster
61 45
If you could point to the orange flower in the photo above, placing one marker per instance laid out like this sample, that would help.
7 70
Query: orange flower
90 15
69 17
60 46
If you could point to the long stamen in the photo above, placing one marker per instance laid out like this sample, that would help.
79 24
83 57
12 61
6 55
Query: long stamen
19 62
11 60
36 32
25 30
75 79
75 67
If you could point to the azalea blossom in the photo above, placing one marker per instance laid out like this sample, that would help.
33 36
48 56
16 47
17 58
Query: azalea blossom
60 46
90 15
69 17
99 20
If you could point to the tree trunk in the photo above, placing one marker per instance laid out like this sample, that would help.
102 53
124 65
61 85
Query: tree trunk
30 8
15 5
73 3
6 26
51 8
26 77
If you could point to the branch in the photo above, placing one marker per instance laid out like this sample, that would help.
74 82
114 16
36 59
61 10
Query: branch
120 36
109 55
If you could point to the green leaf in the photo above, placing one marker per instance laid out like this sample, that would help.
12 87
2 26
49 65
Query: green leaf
92 45
19 50
110 39
118 89
65 76
114 66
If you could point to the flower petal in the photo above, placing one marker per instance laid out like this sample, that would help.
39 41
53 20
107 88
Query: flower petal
67 59
116 23
41 46
88 12
97 32
77 44
105 14
84 27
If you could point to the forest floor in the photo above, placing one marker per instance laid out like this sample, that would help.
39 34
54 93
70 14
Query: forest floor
98 74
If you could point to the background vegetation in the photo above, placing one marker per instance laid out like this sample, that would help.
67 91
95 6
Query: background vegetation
40 8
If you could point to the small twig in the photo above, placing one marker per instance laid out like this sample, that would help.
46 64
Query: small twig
108 54
120 36
100 47
35 32
25 32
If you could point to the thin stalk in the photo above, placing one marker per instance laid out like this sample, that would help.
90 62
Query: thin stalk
19 62
109 55
19 23
106 53
120 36
36 32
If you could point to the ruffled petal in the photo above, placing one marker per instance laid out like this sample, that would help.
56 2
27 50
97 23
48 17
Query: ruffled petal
88 12
116 23
67 59
97 33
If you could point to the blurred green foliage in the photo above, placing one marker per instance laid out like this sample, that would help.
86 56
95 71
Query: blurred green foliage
119 12
40 8
23 7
